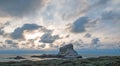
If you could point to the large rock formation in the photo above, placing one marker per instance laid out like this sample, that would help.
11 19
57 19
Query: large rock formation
67 51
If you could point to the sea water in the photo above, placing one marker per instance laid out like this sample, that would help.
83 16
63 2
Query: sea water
10 57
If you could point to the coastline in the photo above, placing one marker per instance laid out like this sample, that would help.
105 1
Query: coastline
5 57
102 60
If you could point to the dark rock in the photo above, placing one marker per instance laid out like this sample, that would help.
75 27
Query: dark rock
49 56
79 56
18 57
67 51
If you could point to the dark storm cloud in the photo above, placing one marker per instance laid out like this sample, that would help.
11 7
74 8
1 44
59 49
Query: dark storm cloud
17 34
79 25
95 41
87 35
48 38
19 7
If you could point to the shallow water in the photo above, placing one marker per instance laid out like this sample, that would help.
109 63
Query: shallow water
7 57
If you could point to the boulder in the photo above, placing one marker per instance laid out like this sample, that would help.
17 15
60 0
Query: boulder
67 51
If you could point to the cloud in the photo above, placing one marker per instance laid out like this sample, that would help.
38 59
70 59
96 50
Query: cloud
95 41
1 29
20 8
9 42
73 9
1 32
18 32
7 23
82 15
64 9
103 1
49 38
87 35
111 15
99 2
79 25
67 36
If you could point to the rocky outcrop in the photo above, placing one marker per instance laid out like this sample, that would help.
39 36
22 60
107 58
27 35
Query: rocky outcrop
17 57
67 51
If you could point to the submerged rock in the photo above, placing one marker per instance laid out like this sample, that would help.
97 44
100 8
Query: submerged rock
67 51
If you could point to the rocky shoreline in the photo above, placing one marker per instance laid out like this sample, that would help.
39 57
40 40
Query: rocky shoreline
99 61
66 51
17 57
48 56
53 56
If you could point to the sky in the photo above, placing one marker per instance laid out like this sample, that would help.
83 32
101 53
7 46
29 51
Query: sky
46 25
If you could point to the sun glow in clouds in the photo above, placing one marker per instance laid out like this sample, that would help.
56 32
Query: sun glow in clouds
32 35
